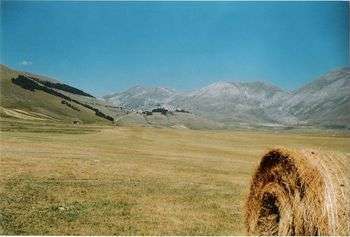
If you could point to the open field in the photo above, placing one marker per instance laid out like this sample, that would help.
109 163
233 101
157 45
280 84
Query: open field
60 179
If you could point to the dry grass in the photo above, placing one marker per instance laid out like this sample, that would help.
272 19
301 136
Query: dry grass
300 192
139 181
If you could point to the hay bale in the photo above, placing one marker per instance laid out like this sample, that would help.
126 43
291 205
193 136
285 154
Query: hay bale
300 193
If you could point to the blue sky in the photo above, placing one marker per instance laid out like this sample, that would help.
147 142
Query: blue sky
103 47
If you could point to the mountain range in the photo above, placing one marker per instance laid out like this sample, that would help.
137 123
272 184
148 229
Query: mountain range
323 102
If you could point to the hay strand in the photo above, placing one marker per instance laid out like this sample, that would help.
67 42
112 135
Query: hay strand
300 193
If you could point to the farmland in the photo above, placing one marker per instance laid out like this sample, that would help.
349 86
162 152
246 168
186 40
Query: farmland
109 180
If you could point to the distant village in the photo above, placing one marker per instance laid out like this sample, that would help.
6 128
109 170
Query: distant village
162 111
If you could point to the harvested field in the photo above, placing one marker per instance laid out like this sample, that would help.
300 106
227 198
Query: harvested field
300 192
133 181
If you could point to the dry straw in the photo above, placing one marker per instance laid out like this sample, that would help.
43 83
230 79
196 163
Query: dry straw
300 193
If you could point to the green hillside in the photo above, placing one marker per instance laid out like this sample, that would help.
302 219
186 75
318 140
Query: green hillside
32 97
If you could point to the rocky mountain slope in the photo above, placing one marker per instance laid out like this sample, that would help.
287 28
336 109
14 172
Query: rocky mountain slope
144 98
232 102
323 102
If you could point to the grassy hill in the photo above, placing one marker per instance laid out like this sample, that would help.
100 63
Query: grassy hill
32 97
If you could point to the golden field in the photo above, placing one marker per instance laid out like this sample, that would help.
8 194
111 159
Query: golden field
132 180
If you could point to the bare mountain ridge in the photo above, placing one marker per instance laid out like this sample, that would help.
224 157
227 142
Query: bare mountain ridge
227 102
324 101
142 98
